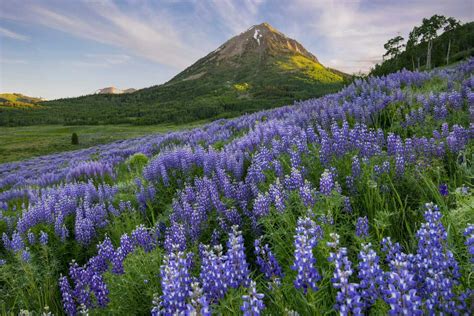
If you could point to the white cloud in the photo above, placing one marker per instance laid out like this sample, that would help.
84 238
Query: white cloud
345 34
145 32
355 31
109 59
10 34
236 16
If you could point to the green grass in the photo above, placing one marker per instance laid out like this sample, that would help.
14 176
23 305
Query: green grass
18 143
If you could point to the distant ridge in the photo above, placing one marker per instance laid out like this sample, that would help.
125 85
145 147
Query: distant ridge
113 90
18 100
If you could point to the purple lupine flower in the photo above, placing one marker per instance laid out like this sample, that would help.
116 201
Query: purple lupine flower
84 229
17 243
175 236
213 272
362 227
370 275
306 238
399 165
25 255
142 237
31 238
252 301
400 291
390 249
198 304
356 169
106 253
267 261
236 266
6 242
443 189
99 288
469 233
69 305
347 205
175 282
43 239
295 180
436 268
348 300
3 262
327 182
126 247
307 194
261 205
277 195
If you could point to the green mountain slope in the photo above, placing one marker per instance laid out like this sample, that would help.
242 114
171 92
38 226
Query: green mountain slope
19 101
257 69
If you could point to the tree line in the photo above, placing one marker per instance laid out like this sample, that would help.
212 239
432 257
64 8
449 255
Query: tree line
430 44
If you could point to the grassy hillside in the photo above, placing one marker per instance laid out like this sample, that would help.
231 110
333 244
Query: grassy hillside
462 46
23 142
18 101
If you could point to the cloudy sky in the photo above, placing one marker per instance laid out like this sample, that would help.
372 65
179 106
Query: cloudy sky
61 48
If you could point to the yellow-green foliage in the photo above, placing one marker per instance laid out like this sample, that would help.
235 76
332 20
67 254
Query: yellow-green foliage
241 87
17 100
310 68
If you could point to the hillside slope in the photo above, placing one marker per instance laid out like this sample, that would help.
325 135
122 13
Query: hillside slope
257 69
19 101
462 46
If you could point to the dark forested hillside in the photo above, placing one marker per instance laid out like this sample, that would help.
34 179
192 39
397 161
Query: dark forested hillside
460 41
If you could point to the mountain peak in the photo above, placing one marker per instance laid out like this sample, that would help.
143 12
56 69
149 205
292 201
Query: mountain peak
266 26
254 57
114 90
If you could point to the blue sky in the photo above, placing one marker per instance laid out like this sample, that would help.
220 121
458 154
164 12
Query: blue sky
63 48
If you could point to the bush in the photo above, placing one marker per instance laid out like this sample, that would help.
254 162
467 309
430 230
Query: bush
74 139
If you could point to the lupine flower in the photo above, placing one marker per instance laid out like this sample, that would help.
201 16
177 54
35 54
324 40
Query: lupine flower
469 233
17 243
436 267
295 180
31 238
307 194
198 304
267 261
142 237
236 266
370 275
213 272
362 227
67 296
252 302
277 195
261 205
327 182
175 282
43 239
347 205
400 289
390 249
443 189
25 255
356 170
306 238
348 299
